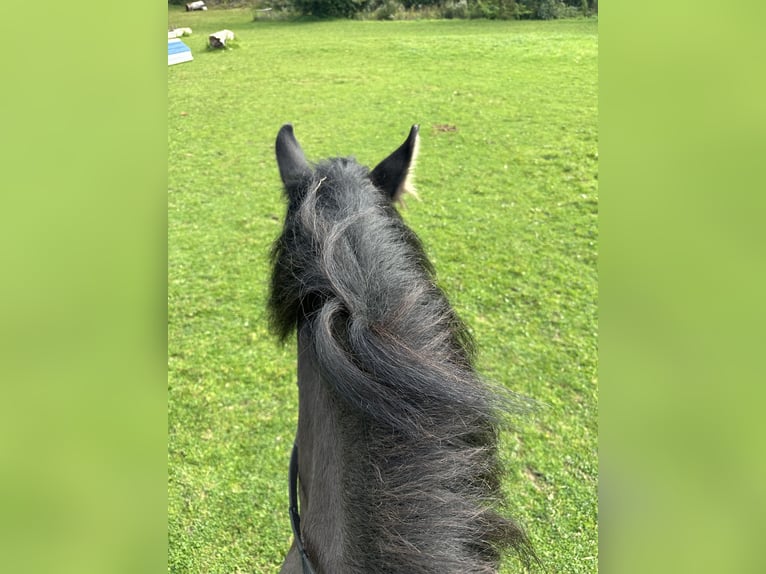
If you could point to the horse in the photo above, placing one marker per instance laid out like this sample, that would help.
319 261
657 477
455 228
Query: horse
395 460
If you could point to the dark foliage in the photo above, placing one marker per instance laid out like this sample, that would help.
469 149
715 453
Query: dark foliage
330 8
502 9
491 9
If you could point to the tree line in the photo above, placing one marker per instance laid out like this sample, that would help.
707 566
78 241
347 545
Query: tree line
399 9
492 9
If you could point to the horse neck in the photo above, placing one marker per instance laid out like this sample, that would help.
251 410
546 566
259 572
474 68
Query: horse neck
320 465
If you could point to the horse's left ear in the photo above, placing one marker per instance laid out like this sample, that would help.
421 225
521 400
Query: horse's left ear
393 176
293 166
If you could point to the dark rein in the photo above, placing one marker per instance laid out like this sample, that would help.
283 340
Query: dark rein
295 517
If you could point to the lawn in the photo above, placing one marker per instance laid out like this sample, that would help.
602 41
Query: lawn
508 177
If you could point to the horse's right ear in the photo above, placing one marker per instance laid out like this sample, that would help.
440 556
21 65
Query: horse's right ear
393 176
293 166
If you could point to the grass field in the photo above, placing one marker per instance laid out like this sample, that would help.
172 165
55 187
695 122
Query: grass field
508 179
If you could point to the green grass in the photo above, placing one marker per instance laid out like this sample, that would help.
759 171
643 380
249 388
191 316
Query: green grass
508 215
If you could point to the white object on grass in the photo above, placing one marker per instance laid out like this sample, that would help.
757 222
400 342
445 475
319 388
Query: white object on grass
219 39
178 32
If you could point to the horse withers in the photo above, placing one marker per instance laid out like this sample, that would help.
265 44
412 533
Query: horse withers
395 462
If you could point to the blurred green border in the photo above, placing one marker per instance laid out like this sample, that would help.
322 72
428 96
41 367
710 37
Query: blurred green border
83 304
682 126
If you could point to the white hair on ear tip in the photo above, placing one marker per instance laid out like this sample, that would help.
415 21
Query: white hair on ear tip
408 186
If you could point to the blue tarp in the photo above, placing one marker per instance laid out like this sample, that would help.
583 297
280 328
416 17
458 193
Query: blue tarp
178 52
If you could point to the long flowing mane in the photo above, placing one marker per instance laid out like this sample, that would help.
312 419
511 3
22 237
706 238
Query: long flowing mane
421 469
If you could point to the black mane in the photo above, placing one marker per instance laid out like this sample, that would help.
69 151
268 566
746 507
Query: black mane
422 475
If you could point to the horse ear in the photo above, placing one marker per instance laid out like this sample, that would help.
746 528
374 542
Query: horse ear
393 176
293 166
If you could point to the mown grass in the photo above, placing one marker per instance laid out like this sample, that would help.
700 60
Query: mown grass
508 180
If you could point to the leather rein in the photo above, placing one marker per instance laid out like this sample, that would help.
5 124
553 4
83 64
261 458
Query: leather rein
295 517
